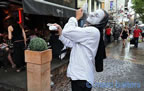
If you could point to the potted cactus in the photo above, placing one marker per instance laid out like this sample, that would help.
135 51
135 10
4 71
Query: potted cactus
38 58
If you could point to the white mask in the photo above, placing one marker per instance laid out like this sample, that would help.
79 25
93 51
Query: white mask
95 17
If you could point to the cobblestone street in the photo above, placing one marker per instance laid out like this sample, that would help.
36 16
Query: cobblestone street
123 71
56 45
117 73
120 74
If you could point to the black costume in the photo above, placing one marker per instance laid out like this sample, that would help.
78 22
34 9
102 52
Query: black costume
101 52
18 45
124 35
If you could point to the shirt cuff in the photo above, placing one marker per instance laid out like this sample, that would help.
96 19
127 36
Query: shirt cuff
61 37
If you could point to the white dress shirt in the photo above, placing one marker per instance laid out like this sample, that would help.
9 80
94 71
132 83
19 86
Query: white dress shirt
84 43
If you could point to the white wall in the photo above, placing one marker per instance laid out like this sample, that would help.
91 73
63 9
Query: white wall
81 2
107 5
121 4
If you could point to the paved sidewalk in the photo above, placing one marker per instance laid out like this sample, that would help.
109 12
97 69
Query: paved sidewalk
13 81
118 75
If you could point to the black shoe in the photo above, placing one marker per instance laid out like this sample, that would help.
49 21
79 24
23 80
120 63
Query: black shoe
136 47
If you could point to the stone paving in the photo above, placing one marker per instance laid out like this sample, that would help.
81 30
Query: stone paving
123 71
118 75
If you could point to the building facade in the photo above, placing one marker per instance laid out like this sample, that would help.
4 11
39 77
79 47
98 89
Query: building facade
92 4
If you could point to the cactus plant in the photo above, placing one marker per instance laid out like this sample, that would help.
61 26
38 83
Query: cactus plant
38 44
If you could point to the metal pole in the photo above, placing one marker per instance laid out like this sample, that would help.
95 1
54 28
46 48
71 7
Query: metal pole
76 3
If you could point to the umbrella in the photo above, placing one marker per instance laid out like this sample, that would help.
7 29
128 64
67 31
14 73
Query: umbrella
142 25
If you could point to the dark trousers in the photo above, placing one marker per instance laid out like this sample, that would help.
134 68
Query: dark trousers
19 54
108 38
3 58
80 85
136 42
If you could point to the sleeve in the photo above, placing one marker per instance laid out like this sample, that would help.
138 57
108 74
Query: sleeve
140 31
76 34
66 41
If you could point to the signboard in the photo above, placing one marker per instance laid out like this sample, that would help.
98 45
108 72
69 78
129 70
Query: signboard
111 5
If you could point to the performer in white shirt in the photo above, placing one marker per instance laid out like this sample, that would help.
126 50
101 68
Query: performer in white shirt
84 44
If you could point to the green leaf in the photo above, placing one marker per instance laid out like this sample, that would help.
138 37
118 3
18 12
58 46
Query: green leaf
138 6
38 44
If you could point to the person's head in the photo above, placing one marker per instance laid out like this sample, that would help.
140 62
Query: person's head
9 20
136 26
107 26
126 27
99 18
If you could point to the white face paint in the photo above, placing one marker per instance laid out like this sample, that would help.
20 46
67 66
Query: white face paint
95 17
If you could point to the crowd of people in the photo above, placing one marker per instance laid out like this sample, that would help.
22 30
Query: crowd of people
13 42
118 32
112 32
15 39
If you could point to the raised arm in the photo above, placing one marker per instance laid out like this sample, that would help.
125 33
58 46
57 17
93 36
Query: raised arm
66 42
63 39
10 30
24 35
121 33
128 32
73 33
77 34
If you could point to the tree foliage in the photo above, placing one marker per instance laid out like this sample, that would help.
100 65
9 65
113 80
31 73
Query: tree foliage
138 6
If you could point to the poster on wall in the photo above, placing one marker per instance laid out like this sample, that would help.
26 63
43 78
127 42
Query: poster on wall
111 5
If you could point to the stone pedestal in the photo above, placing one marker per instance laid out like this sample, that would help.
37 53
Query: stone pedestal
38 70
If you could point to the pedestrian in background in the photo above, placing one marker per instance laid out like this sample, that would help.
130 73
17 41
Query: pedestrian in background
116 32
124 34
4 46
136 34
108 31
17 35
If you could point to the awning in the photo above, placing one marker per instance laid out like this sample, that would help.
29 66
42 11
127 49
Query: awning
42 7
4 4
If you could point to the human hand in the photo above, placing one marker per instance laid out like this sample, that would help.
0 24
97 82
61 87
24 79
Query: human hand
79 14
5 44
25 47
1 34
59 29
